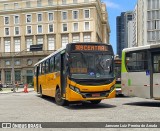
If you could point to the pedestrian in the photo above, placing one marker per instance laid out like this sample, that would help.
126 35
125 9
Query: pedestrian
1 86
16 85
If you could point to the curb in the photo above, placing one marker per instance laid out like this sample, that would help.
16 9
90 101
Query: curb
15 92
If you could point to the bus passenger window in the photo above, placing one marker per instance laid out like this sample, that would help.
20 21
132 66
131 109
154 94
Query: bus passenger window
51 64
156 64
40 69
47 66
57 63
43 68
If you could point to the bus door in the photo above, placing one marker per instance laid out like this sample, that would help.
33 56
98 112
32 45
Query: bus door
63 74
156 75
36 77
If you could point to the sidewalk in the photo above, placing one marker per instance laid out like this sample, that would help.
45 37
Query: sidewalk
8 90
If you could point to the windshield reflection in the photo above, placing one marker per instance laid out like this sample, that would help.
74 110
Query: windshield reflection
91 65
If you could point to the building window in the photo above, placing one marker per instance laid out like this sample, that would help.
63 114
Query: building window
7 76
29 29
64 15
86 13
51 43
86 37
50 2
75 26
29 62
28 4
16 19
29 43
86 26
16 5
17 62
64 27
6 6
63 1
74 1
39 40
50 28
39 17
50 16
75 14
17 75
6 31
17 44
7 45
64 40
16 29
29 73
8 63
39 3
6 20
39 29
75 38
28 18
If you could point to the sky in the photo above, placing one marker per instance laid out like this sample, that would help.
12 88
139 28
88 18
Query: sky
114 9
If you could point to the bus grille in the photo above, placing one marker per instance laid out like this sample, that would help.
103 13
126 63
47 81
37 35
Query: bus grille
91 94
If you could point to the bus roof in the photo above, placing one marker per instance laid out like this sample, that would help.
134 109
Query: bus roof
152 46
52 54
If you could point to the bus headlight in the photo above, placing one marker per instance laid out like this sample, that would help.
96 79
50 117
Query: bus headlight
74 89
112 88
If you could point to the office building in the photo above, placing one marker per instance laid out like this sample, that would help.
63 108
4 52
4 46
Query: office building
122 30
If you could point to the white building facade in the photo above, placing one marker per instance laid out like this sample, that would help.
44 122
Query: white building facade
147 21
130 33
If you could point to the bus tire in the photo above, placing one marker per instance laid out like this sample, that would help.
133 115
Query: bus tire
59 100
95 101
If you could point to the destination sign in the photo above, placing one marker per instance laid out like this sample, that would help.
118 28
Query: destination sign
80 47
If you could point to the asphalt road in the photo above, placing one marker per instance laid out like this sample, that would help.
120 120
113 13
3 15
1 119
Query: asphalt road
29 107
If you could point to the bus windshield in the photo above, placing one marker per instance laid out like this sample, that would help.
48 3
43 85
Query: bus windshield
91 65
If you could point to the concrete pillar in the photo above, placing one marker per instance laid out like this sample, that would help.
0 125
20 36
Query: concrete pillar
70 38
81 37
45 45
12 46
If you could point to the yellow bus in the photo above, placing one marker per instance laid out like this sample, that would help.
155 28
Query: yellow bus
78 72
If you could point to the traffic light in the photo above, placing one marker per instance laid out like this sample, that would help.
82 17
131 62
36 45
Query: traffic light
37 47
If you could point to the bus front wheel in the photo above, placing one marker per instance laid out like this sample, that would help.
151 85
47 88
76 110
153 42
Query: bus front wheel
59 100
95 101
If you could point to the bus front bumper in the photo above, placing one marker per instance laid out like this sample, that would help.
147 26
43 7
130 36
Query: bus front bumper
87 96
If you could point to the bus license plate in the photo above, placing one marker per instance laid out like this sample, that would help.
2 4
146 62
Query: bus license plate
96 95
